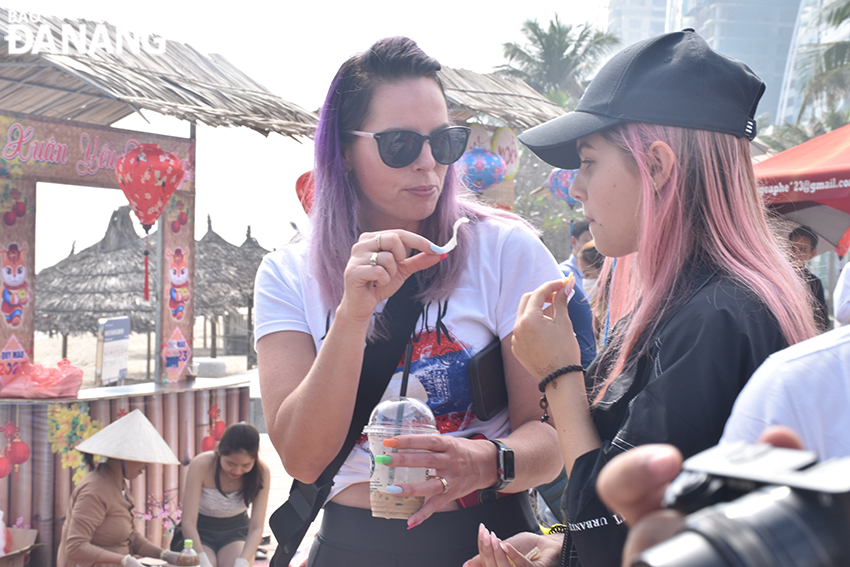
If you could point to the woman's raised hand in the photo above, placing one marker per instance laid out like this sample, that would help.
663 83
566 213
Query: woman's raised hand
517 551
543 339
465 465
379 265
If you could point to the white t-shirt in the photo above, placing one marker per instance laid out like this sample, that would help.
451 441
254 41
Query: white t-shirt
805 387
505 261
841 296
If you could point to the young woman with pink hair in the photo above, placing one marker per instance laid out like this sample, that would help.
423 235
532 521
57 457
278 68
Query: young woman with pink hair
662 140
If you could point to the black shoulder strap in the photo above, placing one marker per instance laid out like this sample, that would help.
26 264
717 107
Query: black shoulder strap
290 521
380 361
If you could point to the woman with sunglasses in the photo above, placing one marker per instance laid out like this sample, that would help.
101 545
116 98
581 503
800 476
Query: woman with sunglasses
386 191
661 137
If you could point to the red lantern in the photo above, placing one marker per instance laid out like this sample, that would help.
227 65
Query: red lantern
207 443
5 467
217 429
148 175
305 188
17 452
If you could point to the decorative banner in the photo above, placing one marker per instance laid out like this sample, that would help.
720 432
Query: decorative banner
16 293
63 151
178 281
479 136
176 347
480 168
559 184
11 358
505 144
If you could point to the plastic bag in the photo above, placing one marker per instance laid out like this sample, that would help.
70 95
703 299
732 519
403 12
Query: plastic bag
36 381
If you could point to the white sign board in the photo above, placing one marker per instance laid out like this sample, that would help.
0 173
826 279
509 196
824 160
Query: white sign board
113 350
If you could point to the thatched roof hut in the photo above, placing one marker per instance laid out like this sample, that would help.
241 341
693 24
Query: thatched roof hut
224 274
96 86
104 280
509 101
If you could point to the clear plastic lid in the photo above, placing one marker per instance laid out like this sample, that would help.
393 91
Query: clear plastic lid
399 415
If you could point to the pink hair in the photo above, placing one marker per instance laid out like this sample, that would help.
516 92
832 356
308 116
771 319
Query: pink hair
709 211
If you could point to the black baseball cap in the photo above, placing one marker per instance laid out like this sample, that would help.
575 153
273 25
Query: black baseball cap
674 79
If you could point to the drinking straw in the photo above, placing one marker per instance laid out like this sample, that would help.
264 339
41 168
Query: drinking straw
408 354
399 417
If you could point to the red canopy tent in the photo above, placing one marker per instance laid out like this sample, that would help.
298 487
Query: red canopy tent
810 184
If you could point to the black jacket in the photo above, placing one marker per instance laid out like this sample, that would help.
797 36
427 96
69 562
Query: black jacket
680 391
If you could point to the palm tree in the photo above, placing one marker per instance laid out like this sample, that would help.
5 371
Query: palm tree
827 65
557 61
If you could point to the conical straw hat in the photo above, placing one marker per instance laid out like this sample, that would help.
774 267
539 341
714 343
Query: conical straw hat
132 438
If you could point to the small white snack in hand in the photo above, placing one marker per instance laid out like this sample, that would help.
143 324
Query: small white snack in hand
130 561
452 243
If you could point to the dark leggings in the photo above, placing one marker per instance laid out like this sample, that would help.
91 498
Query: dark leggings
352 537
215 532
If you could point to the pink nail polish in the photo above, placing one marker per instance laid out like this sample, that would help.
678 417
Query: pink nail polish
443 256
413 525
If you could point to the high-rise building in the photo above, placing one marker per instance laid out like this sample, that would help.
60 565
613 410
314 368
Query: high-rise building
758 32
634 20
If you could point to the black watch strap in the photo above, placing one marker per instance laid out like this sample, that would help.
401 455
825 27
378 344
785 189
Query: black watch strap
504 465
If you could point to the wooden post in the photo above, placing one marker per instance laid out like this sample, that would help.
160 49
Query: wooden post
213 336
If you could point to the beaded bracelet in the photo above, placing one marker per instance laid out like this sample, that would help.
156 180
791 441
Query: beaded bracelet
544 403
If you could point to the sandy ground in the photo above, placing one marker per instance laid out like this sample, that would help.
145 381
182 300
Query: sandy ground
82 352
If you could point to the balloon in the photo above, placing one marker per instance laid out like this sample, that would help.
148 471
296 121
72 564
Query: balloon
148 175
505 144
480 168
559 184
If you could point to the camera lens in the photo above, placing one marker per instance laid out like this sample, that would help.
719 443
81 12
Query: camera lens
774 526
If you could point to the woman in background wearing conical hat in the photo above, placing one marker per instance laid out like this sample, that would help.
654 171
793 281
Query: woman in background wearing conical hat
99 528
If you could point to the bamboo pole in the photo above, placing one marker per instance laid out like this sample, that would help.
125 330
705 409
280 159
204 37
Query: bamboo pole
232 397
42 486
20 495
202 418
170 477
5 415
153 472
139 484
61 499
186 433
245 405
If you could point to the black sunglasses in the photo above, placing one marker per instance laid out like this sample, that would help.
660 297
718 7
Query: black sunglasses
400 148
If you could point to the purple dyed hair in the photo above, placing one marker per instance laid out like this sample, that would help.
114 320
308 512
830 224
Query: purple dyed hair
334 213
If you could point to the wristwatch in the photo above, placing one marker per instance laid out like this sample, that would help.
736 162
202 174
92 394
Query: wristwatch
504 465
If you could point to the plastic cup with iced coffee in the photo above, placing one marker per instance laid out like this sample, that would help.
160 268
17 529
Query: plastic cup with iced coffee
393 417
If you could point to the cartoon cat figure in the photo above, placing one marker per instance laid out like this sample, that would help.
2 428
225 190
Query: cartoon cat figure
14 276
178 273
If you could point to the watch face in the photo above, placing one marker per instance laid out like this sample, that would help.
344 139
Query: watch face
506 460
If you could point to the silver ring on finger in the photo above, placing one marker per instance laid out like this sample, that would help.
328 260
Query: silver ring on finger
373 259
445 484
378 242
